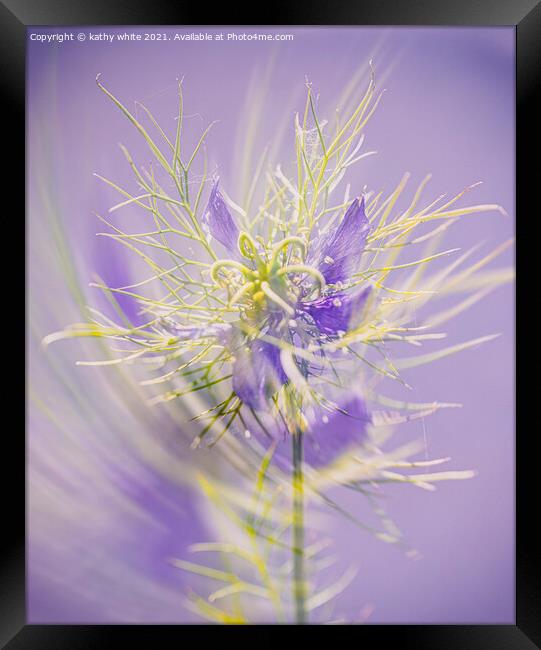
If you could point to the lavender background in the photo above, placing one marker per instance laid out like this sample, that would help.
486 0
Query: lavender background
101 517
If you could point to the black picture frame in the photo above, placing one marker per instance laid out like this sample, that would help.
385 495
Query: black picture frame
525 15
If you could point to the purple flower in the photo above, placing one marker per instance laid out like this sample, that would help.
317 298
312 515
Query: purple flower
279 302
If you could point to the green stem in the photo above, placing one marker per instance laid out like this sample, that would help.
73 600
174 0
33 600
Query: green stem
299 586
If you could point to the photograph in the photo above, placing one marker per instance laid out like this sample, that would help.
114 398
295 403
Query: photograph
270 325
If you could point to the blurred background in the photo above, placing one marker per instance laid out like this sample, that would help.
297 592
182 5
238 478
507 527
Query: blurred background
108 501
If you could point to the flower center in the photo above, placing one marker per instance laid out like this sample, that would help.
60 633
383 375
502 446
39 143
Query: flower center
271 280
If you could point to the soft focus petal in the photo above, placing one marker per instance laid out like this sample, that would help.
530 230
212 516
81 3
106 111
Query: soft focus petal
338 253
257 373
339 312
336 433
218 222
328 436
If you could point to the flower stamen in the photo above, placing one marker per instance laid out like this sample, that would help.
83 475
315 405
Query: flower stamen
308 270
271 295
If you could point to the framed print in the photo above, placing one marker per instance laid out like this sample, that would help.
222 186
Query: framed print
270 324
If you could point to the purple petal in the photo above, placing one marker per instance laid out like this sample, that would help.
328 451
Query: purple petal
334 434
338 253
328 436
218 222
338 312
257 373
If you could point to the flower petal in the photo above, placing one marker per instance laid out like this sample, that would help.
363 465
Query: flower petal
329 435
337 312
257 373
338 253
334 434
218 222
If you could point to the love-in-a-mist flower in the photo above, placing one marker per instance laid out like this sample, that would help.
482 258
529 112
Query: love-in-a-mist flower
262 326
277 310
288 294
